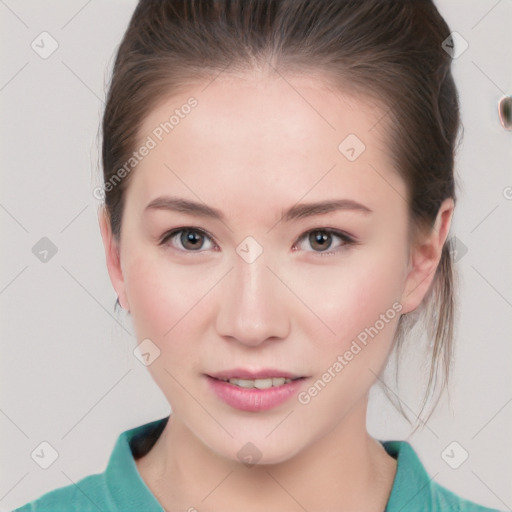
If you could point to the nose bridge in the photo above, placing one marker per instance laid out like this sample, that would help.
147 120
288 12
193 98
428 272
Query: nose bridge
252 309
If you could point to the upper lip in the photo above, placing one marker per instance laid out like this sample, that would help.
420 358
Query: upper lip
241 373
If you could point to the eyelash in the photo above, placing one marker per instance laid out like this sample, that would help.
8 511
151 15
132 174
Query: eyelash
347 240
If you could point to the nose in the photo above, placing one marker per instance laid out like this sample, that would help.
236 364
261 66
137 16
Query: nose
252 307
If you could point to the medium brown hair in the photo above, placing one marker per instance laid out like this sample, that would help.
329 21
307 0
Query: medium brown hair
389 50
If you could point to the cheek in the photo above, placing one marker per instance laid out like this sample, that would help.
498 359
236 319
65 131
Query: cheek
360 303
167 300
157 297
352 295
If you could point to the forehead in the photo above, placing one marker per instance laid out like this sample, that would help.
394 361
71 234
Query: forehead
253 132
294 106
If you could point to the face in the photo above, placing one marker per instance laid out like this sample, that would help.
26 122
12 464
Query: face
263 288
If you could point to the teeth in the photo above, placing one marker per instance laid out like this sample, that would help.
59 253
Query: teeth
259 383
243 383
262 383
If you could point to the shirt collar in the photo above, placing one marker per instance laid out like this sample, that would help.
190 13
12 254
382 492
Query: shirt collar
412 483
129 491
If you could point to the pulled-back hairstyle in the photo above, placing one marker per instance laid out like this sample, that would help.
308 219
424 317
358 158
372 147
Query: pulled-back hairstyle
388 50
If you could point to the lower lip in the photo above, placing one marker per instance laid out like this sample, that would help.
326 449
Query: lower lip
254 400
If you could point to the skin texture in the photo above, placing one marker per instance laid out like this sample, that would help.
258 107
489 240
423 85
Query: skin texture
254 146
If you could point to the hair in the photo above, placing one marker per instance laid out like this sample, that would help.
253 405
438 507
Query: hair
390 51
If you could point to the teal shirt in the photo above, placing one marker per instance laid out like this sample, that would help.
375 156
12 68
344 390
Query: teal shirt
120 487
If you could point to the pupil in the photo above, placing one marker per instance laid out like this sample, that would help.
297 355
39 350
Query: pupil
191 237
321 237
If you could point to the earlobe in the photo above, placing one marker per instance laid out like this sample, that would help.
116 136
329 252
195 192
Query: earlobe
425 257
112 255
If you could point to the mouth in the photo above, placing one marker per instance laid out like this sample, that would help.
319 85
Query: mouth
261 383
259 379
254 391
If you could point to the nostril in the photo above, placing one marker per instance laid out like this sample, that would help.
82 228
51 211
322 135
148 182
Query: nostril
505 112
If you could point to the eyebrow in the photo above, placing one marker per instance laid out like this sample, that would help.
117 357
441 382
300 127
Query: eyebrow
298 211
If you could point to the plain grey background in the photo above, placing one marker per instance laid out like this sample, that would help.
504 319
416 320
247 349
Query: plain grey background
69 376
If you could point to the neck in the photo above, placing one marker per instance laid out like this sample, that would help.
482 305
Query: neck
345 470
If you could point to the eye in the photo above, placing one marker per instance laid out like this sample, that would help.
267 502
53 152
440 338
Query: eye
321 239
190 239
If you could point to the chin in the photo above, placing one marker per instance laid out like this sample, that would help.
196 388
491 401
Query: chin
256 450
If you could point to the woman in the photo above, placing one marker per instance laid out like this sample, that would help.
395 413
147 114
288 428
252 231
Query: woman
305 151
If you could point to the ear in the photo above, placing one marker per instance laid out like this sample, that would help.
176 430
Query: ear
112 254
424 258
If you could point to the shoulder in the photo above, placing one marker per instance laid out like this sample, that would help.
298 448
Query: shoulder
88 495
415 491
444 499
119 488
